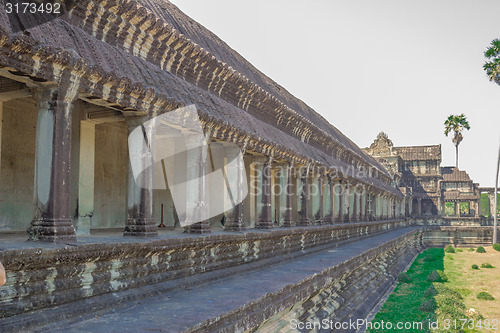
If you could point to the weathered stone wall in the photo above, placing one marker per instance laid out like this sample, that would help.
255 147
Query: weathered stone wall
346 291
111 163
460 236
39 278
17 162
456 231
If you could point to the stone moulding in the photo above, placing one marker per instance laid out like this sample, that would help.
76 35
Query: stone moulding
44 278
359 283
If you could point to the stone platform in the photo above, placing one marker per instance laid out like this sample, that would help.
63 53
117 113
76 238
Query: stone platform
47 282
253 280
353 272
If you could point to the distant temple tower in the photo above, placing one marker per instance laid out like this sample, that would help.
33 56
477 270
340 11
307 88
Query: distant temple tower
430 189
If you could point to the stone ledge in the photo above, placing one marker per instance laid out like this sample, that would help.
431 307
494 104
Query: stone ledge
42 278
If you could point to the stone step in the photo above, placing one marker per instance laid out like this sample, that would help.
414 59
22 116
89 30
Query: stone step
244 301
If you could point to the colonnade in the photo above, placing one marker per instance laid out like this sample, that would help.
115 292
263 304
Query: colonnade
280 194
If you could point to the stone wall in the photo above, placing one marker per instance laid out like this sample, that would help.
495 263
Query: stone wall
40 278
459 236
346 291
17 161
111 162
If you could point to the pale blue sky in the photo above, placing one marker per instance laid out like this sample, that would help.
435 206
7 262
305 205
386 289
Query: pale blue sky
368 66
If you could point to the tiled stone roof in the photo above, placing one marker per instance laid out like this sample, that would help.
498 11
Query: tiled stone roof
452 174
413 153
457 195
150 56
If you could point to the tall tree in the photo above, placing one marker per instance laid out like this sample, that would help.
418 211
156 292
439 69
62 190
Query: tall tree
456 124
492 66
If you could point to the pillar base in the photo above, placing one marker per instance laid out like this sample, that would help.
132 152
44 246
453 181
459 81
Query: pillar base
141 228
264 225
234 225
288 224
52 230
198 228
328 220
304 223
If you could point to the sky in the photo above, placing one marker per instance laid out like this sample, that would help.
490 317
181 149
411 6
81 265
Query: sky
367 66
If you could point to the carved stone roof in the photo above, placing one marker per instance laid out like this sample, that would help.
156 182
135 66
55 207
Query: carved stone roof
457 195
148 55
382 146
453 174
415 153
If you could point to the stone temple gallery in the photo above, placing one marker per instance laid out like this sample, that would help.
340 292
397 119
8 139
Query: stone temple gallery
81 236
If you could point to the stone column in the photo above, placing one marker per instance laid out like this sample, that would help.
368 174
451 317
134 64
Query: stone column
355 205
369 206
265 220
347 202
318 198
491 199
140 213
457 208
286 197
1 125
86 177
236 174
303 199
52 208
363 206
419 207
337 201
477 207
197 210
328 201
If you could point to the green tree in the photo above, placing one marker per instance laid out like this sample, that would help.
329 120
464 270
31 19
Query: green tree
456 124
492 66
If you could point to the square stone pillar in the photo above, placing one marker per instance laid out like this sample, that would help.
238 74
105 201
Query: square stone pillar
491 199
419 207
140 213
457 208
52 207
1 125
86 178
236 174
328 200
363 206
346 196
355 204
304 197
265 220
286 197
317 198
339 200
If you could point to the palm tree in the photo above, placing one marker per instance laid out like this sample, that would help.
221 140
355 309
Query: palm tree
495 217
492 67
457 125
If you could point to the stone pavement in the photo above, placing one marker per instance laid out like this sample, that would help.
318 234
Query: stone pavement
182 309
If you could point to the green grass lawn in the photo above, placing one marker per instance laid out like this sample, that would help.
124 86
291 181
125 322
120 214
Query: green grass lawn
402 305
453 300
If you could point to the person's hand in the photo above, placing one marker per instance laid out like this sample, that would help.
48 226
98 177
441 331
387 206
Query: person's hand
2 275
